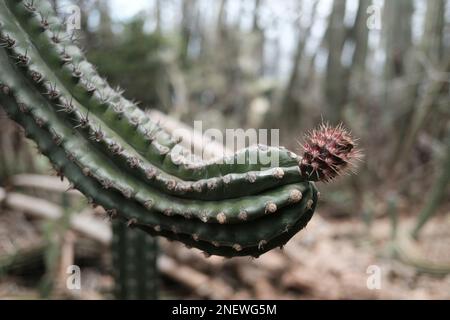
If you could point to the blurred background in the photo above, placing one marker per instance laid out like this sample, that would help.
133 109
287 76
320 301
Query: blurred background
380 67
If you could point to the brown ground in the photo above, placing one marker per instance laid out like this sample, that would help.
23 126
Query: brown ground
328 260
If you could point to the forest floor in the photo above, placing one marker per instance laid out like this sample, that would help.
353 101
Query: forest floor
331 259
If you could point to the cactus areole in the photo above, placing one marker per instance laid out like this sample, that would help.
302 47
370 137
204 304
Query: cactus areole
112 152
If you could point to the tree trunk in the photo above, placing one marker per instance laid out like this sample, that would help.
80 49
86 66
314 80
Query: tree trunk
186 28
361 37
432 40
416 113
438 191
397 17
336 83
158 16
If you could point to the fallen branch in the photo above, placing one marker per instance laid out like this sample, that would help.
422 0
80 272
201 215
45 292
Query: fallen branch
82 223
201 284
48 183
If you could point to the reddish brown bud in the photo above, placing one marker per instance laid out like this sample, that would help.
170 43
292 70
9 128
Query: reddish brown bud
327 153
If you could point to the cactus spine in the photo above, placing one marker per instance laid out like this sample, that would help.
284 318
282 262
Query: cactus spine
120 159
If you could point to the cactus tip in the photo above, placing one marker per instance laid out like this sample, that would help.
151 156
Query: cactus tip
328 152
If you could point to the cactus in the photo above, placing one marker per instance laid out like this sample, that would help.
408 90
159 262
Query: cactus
119 158
134 260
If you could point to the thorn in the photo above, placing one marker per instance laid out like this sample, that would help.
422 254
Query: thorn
197 186
66 58
53 93
271 207
86 171
8 42
243 215
151 134
131 223
76 72
127 192
90 88
148 204
71 156
118 108
163 150
29 5
36 76
115 148
67 107
177 140
5 89
215 244
83 121
168 212
39 121
60 174
221 217
226 179
23 108
23 59
44 23
211 184
204 216
295 196
55 37
71 187
250 177
171 184
98 135
182 188
134 121
261 245
309 204
57 139
237 247
150 173
278 173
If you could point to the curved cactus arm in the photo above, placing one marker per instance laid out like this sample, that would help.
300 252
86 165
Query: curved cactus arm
231 210
252 238
244 235
113 153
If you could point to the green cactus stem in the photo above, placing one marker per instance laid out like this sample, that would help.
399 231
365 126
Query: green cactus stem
112 152
134 259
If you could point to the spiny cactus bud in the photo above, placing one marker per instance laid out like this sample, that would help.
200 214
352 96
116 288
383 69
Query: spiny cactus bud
327 153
